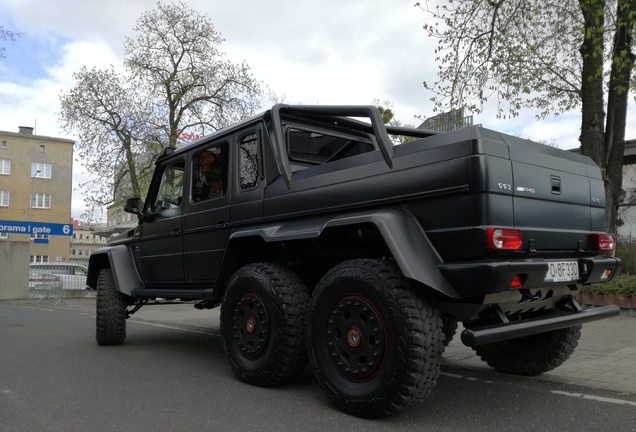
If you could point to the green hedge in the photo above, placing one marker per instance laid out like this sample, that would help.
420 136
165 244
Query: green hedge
623 284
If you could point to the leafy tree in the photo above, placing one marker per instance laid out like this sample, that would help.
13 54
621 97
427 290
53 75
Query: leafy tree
7 35
553 55
174 78
388 116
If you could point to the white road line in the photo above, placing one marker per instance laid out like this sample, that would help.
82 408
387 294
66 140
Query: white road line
595 398
169 327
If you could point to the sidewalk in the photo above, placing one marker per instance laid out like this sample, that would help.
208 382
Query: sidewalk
605 357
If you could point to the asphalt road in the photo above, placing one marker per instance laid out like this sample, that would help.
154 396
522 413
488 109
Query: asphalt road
174 377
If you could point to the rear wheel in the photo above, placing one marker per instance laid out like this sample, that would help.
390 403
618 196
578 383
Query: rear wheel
263 318
531 355
110 311
449 326
375 342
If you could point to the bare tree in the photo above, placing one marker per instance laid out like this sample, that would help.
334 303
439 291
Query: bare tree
176 60
7 35
554 55
174 78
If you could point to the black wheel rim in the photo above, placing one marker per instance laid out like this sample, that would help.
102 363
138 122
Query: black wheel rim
356 338
250 326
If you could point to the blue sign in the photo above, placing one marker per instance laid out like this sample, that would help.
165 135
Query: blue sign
41 241
42 228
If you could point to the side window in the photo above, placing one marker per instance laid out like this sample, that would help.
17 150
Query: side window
318 148
249 161
170 192
209 176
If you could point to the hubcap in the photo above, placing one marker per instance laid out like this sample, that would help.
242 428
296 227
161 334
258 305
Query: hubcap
250 326
356 338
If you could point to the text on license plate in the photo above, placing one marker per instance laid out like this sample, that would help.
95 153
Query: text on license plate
560 271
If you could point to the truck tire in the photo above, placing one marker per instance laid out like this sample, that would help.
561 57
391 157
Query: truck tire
263 316
449 327
375 341
531 355
110 311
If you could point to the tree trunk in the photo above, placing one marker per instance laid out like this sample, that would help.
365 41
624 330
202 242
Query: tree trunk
592 101
618 95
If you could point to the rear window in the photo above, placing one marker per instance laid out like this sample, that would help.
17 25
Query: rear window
318 148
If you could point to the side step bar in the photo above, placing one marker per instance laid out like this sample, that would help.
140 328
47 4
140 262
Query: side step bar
500 332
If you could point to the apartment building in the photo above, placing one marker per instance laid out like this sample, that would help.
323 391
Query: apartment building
36 186
84 241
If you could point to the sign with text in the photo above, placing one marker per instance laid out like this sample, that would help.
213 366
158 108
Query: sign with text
42 228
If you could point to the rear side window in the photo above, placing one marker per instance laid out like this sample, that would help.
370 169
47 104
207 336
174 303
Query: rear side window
250 156
319 148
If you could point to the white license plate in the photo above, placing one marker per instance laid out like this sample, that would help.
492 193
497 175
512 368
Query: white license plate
562 271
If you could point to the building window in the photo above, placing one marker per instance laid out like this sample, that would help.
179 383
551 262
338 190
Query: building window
4 236
5 166
40 170
4 198
39 258
41 149
40 200
4 144
39 236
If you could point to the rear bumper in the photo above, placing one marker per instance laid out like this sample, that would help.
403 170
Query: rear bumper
479 278
499 332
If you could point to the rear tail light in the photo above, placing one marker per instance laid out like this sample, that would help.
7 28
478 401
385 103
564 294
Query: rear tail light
503 238
517 281
602 242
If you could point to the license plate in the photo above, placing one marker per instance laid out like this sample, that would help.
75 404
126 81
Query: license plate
562 271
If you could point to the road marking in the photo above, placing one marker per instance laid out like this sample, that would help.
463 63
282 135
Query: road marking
170 327
595 398
450 375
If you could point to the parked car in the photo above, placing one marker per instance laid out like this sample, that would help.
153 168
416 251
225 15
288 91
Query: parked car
40 280
73 275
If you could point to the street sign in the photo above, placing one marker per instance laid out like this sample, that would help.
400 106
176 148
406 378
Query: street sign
42 228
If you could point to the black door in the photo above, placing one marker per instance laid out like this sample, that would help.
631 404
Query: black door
162 232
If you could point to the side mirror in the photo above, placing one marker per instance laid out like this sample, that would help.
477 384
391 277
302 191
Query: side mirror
134 206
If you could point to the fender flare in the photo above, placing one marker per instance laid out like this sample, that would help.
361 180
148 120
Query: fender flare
120 260
405 237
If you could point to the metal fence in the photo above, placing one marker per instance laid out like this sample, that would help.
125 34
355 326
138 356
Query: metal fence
43 268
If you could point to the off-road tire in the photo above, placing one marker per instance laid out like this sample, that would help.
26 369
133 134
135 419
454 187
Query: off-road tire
263 319
531 355
110 311
449 327
375 341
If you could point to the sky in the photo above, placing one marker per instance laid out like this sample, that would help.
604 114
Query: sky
309 52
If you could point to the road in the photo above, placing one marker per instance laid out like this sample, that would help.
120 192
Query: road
173 376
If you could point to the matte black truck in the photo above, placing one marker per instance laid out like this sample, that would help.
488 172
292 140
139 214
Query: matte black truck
324 243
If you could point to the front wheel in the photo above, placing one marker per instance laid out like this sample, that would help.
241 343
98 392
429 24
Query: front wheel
531 355
263 318
110 311
375 341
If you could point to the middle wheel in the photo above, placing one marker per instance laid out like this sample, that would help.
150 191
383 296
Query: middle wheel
375 342
263 316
